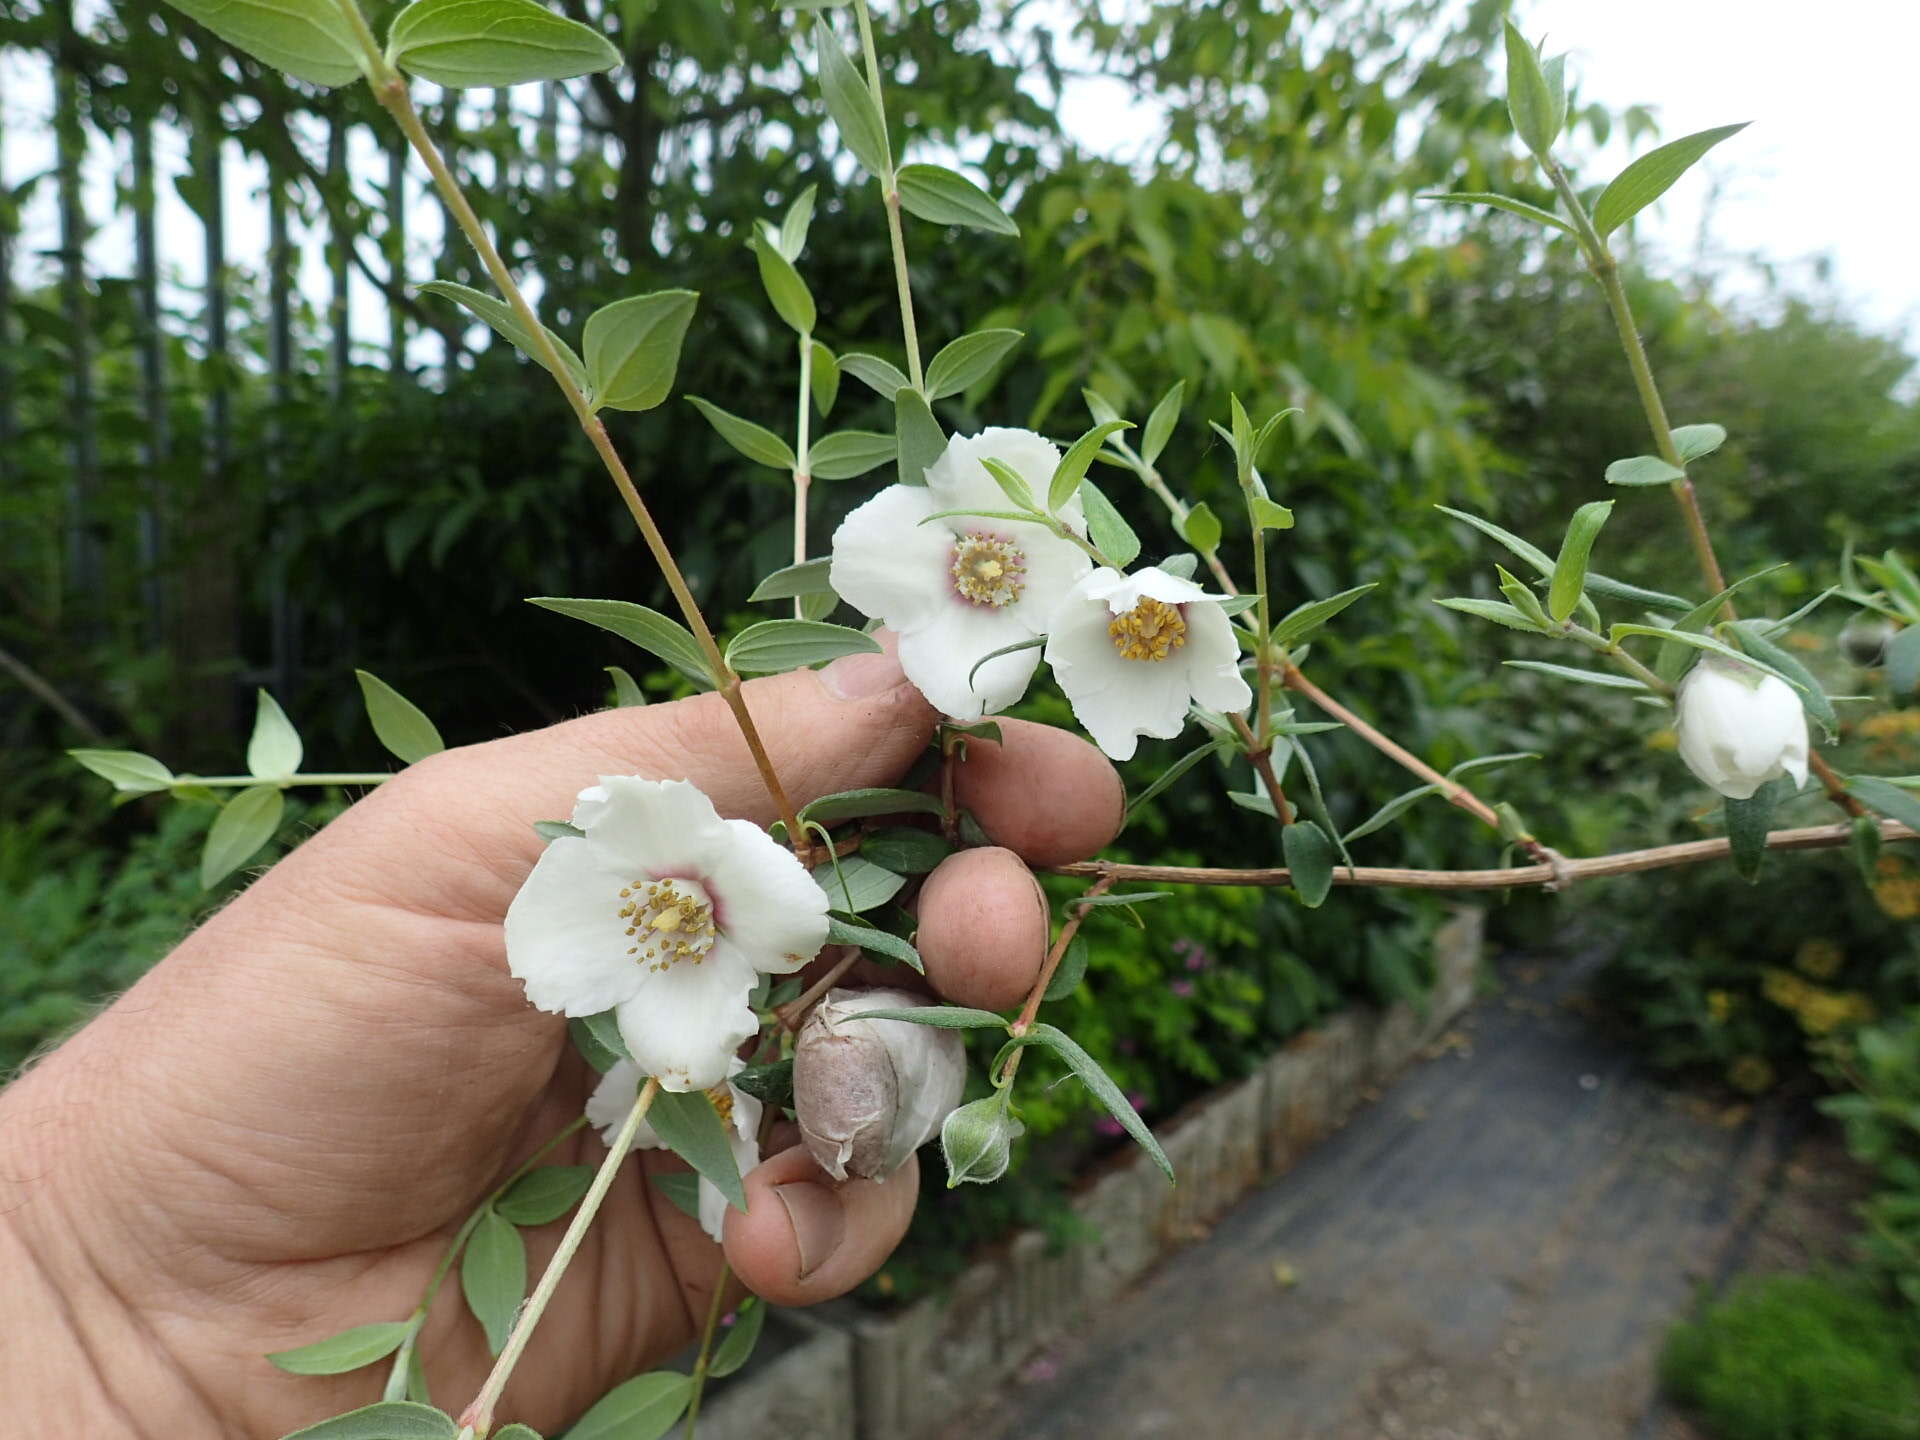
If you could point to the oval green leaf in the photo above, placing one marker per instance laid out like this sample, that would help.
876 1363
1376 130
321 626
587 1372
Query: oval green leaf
756 442
1650 177
633 348
244 824
689 1126
131 772
493 1276
649 629
846 454
1643 470
791 298
1309 856
310 41
968 360
500 317
644 1408
937 194
466 43
349 1350
850 103
737 1347
389 1420
772 646
274 749
399 724
543 1195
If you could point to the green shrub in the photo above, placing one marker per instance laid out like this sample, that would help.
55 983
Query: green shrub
1798 1357
1882 1120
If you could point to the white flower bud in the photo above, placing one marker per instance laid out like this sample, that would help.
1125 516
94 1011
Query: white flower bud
977 1141
1739 727
868 1093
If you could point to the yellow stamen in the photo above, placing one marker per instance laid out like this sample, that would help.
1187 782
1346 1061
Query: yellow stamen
668 921
987 571
1152 630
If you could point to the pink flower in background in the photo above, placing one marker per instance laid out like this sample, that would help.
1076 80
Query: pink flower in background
1182 988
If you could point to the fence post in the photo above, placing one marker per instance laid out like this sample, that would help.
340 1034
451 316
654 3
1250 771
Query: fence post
283 622
84 567
339 308
396 246
156 447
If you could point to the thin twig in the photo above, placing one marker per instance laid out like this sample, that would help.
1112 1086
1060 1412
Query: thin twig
706 1350
1626 862
1262 758
795 1010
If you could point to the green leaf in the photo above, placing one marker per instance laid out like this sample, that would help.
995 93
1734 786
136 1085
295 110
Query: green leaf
556 829
1532 554
851 104
905 851
682 1191
516 1431
499 316
627 693
689 1126
1160 423
1648 178
771 646
941 1017
1643 470
1603 678
939 195
769 1084
1497 611
1389 812
1072 969
1111 535
1172 773
967 360
857 885
824 377
1201 528
1570 570
644 1408
846 454
399 724
1885 798
1530 100
131 772
1268 515
310 41
274 749
796 223
465 43
884 379
1901 659
1520 597
1693 441
544 1194
1303 620
493 1276
1866 847
756 442
244 824
921 440
737 1347
1103 1088
1073 466
877 942
349 1350
1598 584
1309 857
858 804
633 348
1012 485
791 298
1747 824
809 577
597 1038
649 629
389 1420
1506 203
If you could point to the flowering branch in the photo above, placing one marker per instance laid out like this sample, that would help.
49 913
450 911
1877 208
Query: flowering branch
477 1419
1557 875
390 89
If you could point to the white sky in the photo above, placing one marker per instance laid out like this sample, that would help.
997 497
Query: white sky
1826 167
1823 170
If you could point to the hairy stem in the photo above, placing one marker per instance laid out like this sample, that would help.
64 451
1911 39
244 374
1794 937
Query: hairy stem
1626 862
802 478
1262 758
795 1010
285 782
1068 929
890 192
477 1419
390 89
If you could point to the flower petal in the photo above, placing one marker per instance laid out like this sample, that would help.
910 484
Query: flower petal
939 658
889 566
959 481
782 921
612 1099
686 1021
650 828
566 941
1213 660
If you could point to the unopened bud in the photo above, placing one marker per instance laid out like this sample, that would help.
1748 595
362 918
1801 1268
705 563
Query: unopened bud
977 1141
868 1093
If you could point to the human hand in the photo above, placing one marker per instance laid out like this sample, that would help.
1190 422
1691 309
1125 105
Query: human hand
276 1133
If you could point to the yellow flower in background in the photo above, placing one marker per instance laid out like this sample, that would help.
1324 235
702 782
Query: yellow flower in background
1784 988
1891 724
1719 1006
1750 1073
1822 1012
1898 893
1663 739
1819 958
1802 640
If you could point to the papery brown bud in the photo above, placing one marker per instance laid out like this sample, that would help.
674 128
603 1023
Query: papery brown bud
868 1093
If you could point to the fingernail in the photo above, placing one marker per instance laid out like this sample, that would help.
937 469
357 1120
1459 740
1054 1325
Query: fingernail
819 1224
857 677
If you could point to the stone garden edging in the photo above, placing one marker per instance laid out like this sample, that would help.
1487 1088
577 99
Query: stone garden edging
841 1371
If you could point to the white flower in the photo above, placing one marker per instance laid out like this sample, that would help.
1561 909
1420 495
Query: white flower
1739 727
1131 651
667 915
612 1101
960 588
